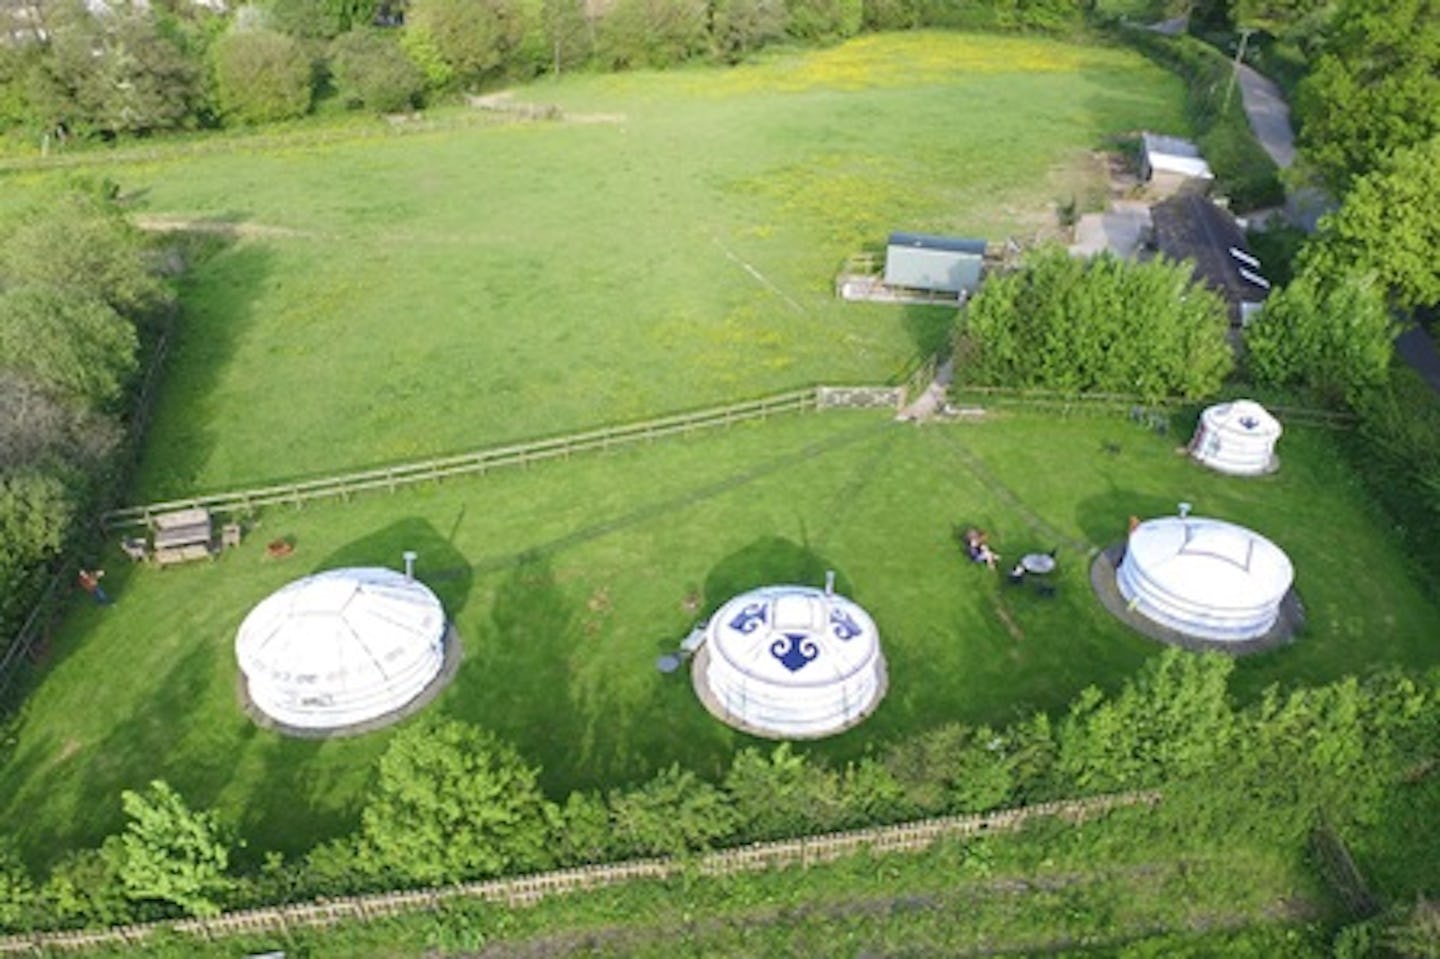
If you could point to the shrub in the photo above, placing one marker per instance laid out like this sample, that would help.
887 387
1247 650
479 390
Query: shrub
371 71
261 76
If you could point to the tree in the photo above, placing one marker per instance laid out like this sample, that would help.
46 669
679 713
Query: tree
1389 225
17 891
371 71
1331 334
1173 721
1145 329
452 802
85 886
80 245
116 72
673 813
37 511
319 19
953 767
1374 88
566 33
173 853
261 76
739 27
472 39
823 20
782 794
37 429
651 33
76 345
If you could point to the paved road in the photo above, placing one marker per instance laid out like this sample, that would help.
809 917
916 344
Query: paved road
1269 116
1270 119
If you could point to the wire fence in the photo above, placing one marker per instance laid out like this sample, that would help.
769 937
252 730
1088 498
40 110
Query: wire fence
527 890
1070 402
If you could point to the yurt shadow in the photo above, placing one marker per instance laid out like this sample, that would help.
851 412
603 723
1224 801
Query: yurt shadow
438 564
767 561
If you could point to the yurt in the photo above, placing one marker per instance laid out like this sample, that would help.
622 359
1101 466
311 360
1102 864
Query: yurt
1237 438
790 662
1204 577
341 647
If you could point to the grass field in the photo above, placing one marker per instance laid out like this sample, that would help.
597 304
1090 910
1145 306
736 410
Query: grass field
672 245
567 580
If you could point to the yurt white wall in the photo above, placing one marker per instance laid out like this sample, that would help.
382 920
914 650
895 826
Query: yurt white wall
791 662
1237 438
341 647
1204 577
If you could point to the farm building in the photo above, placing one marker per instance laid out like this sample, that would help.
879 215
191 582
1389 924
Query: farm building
790 662
341 648
936 263
1191 227
1237 438
1204 578
1170 164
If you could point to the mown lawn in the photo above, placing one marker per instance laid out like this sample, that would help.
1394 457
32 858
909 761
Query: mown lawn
671 245
567 580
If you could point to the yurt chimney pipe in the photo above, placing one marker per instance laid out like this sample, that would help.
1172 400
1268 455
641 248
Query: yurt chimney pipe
829 582
409 556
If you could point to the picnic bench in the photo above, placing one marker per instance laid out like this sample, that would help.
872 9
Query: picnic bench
182 536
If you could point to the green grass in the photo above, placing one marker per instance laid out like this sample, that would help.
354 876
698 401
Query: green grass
567 580
478 282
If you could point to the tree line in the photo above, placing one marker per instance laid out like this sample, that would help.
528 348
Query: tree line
120 69
81 298
450 802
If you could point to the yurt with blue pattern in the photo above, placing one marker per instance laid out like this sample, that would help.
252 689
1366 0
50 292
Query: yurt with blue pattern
790 662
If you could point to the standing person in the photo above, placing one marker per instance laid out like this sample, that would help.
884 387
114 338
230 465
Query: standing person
90 582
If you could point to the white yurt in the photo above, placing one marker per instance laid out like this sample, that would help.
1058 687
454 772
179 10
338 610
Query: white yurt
790 662
341 647
1237 438
1204 577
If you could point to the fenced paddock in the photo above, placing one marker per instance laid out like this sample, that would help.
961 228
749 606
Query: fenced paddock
390 478
527 890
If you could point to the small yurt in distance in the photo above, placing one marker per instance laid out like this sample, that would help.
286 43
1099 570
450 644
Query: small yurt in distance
1237 438
341 647
790 662
1204 578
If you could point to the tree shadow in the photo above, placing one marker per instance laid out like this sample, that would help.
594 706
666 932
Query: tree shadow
929 328
1105 517
218 294
519 675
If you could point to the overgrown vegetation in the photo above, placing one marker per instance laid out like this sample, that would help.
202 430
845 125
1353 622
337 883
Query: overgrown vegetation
78 295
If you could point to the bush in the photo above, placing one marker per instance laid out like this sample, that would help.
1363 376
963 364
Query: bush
372 72
261 76
1141 329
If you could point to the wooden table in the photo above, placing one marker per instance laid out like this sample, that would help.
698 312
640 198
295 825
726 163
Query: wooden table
183 535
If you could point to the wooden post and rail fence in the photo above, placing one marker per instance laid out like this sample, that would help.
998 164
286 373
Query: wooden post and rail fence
527 890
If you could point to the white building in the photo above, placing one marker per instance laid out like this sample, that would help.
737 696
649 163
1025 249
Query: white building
1170 164
790 662
1237 438
1204 577
341 647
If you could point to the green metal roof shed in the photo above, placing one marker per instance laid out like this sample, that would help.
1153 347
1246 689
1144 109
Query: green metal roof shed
940 263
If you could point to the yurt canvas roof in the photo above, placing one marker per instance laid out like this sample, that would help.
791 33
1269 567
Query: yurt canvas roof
1210 563
341 646
791 661
1244 417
